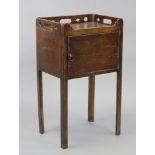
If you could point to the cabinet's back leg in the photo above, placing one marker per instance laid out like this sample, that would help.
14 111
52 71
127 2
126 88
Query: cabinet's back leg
64 113
40 102
91 94
118 102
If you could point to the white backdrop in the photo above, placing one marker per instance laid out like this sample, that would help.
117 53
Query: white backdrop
84 137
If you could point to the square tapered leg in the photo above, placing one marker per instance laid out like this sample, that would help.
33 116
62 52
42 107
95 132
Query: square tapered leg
118 102
64 113
91 96
40 102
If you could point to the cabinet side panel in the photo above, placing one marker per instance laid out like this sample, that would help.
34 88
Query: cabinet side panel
49 49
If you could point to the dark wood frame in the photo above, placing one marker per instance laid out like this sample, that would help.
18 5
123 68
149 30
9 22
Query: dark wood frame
52 36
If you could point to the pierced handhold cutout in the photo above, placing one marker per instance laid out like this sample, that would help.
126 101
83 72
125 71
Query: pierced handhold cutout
64 21
107 21
77 20
98 19
85 19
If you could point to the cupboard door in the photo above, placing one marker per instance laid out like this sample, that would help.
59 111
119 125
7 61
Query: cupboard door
92 53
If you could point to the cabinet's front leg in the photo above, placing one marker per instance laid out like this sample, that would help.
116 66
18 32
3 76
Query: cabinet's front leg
40 102
91 94
64 113
118 102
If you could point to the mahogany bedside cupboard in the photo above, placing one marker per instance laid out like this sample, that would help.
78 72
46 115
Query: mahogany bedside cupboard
78 46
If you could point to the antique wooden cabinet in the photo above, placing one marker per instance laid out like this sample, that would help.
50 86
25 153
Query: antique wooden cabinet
77 46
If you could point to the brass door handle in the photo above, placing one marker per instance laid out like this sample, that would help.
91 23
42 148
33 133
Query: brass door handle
70 57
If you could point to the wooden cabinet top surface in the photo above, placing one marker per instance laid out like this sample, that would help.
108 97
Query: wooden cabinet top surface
88 25
81 24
